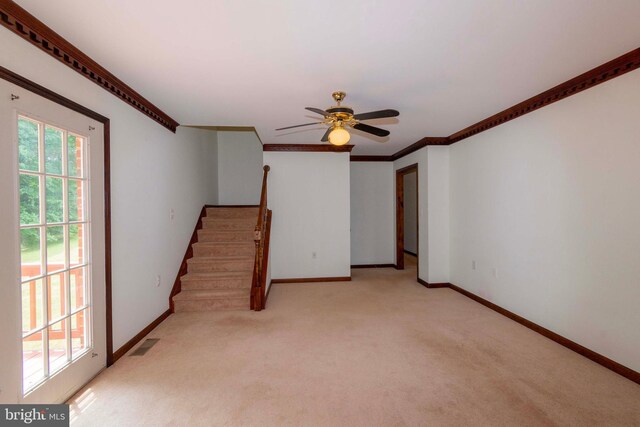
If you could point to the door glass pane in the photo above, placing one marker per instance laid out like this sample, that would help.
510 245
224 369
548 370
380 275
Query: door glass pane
57 346
32 360
57 296
76 288
28 147
32 313
53 150
52 182
79 332
29 199
55 248
30 253
75 144
74 198
54 201
76 245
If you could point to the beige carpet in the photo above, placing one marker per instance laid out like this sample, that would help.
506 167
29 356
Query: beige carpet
378 351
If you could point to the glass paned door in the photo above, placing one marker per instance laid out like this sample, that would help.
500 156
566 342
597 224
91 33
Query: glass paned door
54 249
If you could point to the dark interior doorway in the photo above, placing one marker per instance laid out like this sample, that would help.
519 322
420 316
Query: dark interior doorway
407 221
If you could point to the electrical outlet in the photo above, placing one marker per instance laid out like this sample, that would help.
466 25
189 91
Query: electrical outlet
158 281
172 214
473 264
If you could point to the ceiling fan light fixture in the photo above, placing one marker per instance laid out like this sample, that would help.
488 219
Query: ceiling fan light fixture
339 116
339 136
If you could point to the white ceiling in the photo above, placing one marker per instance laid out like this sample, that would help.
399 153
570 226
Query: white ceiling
443 64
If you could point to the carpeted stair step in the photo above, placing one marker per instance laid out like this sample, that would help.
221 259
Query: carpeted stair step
231 213
217 280
243 224
212 249
211 300
220 273
220 263
207 235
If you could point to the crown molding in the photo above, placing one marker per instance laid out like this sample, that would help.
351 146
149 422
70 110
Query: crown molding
27 26
428 140
370 158
615 68
605 72
22 23
320 148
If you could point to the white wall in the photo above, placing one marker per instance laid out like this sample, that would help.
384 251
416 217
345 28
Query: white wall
372 213
309 196
551 201
152 171
438 213
410 203
239 168
433 210
149 177
210 155
268 278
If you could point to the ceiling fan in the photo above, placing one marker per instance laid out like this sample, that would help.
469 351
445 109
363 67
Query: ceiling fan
338 116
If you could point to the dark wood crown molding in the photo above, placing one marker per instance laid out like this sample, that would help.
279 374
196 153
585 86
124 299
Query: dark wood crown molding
605 72
27 26
21 22
322 148
428 140
370 158
615 68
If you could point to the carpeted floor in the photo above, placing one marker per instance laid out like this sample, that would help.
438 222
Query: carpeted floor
378 351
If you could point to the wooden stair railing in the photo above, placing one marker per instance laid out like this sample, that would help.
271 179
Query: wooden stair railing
261 238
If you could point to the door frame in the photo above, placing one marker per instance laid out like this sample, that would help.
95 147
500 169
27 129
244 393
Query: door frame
31 86
400 173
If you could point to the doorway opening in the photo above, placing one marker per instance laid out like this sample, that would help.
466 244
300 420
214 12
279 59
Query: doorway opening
407 222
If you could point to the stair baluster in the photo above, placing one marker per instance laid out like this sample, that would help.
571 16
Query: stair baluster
258 286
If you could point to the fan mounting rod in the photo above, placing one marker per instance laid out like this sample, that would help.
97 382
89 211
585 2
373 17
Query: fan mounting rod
340 114
339 96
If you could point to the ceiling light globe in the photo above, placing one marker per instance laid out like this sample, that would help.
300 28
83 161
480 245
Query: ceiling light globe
339 136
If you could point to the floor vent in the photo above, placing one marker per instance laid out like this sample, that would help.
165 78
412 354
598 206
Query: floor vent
145 346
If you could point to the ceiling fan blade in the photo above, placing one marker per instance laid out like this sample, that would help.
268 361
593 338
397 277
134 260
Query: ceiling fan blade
318 111
325 137
370 129
297 126
376 114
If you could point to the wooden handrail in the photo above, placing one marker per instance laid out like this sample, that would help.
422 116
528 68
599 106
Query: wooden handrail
263 203
258 283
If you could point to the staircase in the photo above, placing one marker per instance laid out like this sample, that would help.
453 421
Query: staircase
219 275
